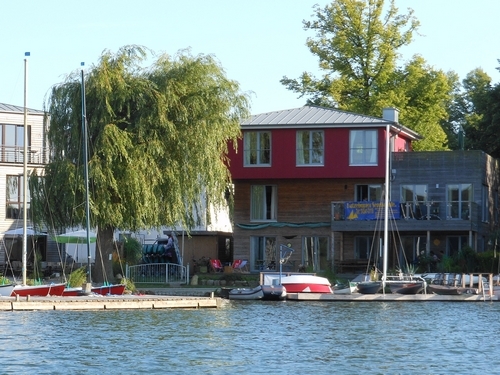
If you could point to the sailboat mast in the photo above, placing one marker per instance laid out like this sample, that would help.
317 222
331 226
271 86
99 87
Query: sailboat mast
386 204
25 171
86 177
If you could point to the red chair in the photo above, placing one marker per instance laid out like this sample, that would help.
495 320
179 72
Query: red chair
216 265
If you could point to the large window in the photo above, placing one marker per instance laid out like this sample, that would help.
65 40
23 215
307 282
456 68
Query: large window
414 201
12 142
363 247
315 253
262 252
363 148
264 203
14 197
459 199
257 148
310 148
456 243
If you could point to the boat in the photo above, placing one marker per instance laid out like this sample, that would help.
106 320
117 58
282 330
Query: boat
23 289
349 288
406 287
273 292
106 290
450 290
369 287
246 293
303 283
6 290
44 290
72 291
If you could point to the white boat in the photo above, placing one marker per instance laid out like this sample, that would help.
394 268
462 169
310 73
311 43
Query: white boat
6 290
303 283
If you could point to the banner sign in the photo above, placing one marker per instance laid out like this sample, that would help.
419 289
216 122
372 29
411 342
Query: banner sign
370 210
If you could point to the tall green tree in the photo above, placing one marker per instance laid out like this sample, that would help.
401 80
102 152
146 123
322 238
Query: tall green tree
357 43
157 140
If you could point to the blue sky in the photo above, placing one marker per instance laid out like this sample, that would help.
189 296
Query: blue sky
257 42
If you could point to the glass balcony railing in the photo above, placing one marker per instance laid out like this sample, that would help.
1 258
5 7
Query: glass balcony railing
15 154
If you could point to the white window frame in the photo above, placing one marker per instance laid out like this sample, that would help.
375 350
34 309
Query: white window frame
310 147
363 147
255 149
263 203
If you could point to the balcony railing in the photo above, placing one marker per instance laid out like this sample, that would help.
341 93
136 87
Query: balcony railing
15 155
425 210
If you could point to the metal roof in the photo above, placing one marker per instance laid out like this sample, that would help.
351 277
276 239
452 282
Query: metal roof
319 117
17 109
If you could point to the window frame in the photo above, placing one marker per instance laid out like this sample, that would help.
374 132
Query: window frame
313 151
259 151
268 212
363 148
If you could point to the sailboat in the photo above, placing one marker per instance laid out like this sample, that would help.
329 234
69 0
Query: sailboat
109 289
24 289
399 284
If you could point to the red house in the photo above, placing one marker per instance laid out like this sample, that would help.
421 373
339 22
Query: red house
288 169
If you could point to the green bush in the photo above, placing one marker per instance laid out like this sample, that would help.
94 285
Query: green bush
78 277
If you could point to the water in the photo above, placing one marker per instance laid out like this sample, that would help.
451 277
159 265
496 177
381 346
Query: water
251 337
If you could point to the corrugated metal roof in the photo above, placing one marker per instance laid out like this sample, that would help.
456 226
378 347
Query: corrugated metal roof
311 115
17 109
318 117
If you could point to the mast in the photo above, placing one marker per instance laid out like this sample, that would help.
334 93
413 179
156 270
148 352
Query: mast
25 171
86 177
386 205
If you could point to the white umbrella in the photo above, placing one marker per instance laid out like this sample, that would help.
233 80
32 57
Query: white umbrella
20 232
79 236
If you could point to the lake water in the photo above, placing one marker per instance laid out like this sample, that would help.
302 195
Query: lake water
251 337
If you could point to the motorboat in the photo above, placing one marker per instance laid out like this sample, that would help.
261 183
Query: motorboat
6 290
302 283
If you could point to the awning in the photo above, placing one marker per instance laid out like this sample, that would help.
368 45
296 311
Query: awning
79 236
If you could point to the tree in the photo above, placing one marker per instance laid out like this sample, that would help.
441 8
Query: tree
158 141
357 47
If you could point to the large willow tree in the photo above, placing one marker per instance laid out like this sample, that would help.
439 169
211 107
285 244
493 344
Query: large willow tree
357 43
157 141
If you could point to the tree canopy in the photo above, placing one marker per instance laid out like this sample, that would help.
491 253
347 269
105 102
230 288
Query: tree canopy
358 45
157 137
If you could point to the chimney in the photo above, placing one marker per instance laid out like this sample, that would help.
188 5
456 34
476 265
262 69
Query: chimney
391 114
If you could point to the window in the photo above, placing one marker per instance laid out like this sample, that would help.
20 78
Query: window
410 249
315 253
264 203
310 147
369 192
486 206
14 197
363 148
459 198
414 201
362 247
262 252
456 243
12 142
257 148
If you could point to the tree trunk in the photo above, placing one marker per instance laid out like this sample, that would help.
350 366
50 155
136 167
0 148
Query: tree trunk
103 270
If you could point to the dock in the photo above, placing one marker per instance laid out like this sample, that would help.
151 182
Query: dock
389 297
124 302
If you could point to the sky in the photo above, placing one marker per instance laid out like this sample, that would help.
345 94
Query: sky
257 42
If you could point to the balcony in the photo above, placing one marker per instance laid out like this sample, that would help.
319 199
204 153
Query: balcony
408 216
15 155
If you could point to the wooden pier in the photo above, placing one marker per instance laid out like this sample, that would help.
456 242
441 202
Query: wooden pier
389 297
125 302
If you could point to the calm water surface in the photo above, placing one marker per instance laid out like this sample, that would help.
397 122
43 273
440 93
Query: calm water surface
247 337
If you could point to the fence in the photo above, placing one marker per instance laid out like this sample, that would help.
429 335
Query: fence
158 273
